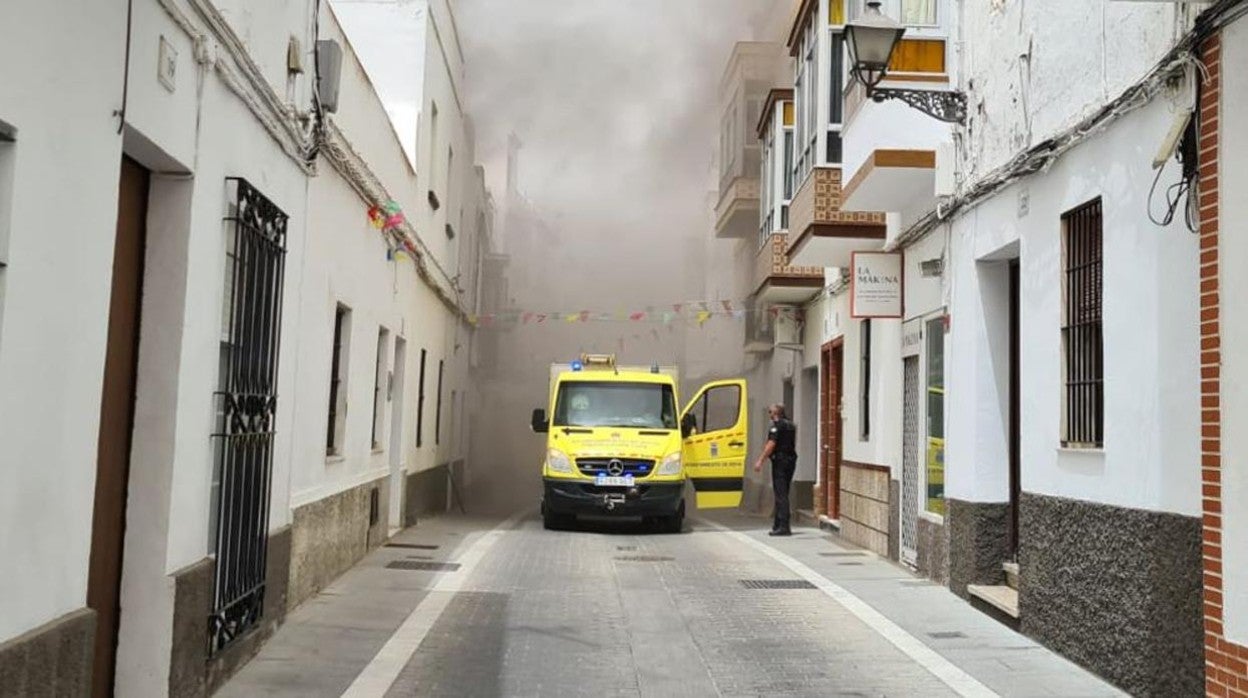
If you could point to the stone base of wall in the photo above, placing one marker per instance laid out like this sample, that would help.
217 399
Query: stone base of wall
802 495
332 534
865 506
933 550
977 543
192 672
894 518
54 659
1116 590
425 494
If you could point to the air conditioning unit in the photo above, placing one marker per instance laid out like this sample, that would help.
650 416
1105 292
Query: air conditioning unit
788 331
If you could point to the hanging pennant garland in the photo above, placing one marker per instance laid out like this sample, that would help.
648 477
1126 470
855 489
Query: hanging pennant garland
692 312
386 217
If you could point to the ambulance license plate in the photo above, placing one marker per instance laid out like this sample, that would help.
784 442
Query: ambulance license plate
609 481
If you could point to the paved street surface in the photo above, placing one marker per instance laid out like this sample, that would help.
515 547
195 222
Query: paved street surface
617 611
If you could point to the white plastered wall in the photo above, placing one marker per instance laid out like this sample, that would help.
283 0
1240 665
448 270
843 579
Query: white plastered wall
200 134
1151 340
1042 68
61 216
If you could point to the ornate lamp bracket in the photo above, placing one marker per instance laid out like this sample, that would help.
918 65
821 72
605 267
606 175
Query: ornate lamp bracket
946 106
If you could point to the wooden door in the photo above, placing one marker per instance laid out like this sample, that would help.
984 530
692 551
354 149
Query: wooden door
108 524
832 361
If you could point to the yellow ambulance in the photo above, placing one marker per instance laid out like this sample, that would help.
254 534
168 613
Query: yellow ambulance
616 444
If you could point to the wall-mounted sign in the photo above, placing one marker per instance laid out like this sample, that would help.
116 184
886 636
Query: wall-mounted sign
875 285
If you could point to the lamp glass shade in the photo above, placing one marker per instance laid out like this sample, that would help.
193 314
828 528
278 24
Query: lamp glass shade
872 45
871 39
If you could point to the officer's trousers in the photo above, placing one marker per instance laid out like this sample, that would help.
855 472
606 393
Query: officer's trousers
782 469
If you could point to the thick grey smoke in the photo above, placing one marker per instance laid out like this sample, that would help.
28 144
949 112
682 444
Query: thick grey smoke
614 106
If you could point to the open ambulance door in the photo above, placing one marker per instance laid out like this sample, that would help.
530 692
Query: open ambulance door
714 426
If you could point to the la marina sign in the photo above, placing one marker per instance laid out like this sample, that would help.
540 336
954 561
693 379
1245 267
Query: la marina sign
875 285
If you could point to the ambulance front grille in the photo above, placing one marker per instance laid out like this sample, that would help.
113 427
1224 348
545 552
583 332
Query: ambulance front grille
631 466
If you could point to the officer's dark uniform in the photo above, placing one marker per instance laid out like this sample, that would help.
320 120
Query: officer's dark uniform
783 464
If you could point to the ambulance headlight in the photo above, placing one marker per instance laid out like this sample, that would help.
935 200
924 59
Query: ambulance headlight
558 461
670 465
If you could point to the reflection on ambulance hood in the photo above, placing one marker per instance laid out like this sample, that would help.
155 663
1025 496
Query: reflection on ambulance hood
614 442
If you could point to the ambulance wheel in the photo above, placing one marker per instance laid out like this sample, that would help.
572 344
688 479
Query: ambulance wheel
554 522
674 523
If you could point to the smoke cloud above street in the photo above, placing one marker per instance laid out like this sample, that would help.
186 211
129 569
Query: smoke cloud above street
614 105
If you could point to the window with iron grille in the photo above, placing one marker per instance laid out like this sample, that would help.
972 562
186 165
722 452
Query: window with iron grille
1083 424
247 402
379 396
420 402
337 381
437 417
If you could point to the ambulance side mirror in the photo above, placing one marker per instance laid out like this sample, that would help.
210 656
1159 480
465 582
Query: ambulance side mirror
688 425
539 423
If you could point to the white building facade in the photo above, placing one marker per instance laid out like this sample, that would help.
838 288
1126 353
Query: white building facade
182 477
1026 424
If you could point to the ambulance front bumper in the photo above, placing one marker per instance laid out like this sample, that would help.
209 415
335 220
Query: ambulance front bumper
572 497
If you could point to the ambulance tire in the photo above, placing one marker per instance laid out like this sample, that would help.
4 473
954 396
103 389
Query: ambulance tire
674 523
555 522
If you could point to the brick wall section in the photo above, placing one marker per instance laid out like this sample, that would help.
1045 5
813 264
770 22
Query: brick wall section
1226 664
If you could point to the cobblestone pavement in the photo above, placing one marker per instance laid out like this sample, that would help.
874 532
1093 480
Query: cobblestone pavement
612 610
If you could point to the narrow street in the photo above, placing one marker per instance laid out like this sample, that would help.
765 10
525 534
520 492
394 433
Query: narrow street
613 610
363 348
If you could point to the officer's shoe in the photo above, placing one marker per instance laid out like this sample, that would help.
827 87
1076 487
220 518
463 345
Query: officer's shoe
780 532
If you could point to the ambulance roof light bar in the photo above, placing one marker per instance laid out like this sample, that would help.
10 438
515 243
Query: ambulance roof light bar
599 361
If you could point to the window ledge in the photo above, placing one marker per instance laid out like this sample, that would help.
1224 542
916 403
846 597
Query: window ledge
1081 451
378 450
933 518
938 78
334 459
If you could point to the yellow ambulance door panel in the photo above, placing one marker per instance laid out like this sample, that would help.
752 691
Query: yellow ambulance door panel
714 451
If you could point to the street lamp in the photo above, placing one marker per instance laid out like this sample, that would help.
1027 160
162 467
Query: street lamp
872 39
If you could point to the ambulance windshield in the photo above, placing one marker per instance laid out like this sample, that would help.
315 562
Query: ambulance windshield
631 405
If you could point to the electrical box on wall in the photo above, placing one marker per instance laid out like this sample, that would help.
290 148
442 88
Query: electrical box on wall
328 73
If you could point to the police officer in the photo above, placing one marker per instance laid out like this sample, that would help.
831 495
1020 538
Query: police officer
782 449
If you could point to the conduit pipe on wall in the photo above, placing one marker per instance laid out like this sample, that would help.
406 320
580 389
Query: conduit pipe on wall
343 157
244 78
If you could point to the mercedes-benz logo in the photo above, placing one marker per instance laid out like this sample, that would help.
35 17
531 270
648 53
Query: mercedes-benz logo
615 467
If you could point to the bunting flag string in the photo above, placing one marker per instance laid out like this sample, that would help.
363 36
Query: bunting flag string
697 313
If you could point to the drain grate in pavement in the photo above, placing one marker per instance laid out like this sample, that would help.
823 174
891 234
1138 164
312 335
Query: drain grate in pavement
848 553
645 558
776 584
415 546
423 566
946 635
625 548
849 564
420 557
